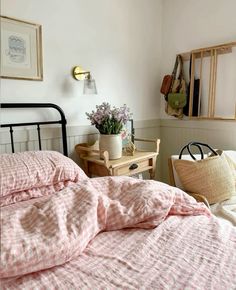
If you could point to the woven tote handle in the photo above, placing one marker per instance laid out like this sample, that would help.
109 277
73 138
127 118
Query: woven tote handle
199 146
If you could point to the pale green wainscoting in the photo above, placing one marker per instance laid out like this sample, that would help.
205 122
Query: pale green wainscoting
174 134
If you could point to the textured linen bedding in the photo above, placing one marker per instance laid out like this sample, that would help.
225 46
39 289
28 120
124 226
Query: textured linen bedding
113 233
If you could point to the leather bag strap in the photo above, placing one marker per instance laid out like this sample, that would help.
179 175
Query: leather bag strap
175 67
199 146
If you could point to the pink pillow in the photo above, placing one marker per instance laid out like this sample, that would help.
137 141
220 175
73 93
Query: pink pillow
31 174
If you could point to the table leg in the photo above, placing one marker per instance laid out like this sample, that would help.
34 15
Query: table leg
152 171
86 168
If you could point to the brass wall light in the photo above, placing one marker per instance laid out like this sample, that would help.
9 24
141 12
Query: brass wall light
89 83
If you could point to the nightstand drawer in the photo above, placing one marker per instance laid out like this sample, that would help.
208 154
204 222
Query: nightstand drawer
133 167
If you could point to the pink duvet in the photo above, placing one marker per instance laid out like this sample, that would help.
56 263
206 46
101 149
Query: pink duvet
32 174
54 243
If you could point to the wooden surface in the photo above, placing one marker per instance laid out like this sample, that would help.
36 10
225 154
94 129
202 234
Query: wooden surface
97 162
221 49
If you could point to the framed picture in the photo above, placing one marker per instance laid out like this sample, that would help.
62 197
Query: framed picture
21 50
128 133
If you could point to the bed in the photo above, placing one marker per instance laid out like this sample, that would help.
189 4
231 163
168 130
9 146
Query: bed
63 230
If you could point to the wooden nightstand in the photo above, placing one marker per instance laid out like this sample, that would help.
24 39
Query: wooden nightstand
127 165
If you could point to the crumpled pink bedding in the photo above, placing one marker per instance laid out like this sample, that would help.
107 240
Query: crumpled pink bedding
32 174
55 243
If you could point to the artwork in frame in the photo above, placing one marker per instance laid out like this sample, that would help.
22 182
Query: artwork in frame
128 133
21 49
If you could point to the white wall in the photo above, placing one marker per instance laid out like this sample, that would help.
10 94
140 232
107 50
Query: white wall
119 41
187 25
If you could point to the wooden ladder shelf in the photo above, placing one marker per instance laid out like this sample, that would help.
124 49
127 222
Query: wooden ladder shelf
212 52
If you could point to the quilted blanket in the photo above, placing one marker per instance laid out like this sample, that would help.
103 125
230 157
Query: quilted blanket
43 244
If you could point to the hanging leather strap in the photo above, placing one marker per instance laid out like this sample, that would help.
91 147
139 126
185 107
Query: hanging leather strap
175 67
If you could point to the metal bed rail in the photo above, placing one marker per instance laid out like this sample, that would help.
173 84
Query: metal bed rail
62 122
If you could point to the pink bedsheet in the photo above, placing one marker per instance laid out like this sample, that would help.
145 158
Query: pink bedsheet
173 249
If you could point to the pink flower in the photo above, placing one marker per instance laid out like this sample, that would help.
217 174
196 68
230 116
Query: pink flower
107 120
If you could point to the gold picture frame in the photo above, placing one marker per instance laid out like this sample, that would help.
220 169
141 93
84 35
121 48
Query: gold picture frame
21 49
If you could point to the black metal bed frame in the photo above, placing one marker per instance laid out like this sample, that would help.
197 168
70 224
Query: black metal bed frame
62 121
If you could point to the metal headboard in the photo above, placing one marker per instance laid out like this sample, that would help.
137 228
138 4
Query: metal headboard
62 121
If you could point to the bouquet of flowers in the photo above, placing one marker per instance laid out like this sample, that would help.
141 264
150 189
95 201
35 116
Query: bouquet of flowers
109 120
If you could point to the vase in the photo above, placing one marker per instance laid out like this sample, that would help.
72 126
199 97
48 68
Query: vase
112 144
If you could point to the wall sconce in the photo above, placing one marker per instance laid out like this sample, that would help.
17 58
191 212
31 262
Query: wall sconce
89 83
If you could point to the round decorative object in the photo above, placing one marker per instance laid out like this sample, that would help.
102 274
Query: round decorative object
112 144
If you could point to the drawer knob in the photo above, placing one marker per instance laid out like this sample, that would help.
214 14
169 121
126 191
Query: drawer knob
133 166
